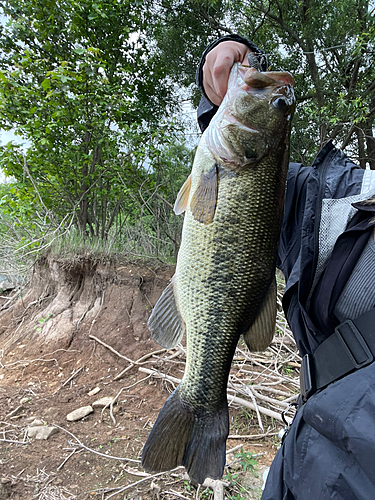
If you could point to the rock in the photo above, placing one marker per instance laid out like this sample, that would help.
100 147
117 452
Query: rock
41 431
79 413
106 400
36 423
29 420
94 391
7 283
5 489
52 413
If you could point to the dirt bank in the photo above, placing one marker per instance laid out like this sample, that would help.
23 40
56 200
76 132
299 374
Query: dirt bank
64 343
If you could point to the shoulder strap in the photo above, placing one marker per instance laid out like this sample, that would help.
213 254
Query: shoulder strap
349 348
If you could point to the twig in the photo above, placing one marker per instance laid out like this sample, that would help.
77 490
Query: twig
29 361
138 362
218 489
67 458
122 489
232 450
175 494
251 394
4 306
135 472
25 167
94 451
11 441
110 405
111 349
253 436
70 378
197 493
158 374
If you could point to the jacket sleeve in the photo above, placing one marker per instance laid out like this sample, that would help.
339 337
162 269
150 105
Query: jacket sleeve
206 109
290 237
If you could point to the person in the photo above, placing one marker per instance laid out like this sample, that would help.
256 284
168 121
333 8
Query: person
327 255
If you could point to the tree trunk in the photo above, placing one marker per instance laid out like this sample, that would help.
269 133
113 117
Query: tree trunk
369 137
361 147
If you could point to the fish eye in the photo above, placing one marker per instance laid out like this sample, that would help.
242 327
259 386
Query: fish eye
280 104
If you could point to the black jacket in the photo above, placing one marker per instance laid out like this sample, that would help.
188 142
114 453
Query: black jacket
330 449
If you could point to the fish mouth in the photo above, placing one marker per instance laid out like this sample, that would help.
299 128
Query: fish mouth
255 79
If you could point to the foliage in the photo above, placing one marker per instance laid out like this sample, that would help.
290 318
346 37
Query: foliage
246 460
78 82
92 86
328 46
235 490
246 463
145 227
181 32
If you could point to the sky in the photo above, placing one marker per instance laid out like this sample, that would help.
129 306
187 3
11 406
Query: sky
5 137
8 135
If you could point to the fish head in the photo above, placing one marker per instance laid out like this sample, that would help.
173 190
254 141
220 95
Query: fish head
254 117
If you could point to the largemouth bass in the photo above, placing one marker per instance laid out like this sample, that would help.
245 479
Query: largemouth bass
224 284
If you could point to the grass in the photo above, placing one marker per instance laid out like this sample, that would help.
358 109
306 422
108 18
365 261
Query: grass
244 463
243 421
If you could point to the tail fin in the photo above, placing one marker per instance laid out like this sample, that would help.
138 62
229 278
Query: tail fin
179 437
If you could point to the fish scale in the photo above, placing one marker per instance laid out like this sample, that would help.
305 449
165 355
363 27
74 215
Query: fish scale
224 284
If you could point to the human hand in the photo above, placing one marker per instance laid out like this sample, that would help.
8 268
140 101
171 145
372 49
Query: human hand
216 69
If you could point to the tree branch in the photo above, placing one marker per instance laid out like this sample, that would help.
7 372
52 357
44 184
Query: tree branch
279 21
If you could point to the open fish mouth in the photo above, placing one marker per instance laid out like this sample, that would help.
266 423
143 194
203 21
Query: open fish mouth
259 79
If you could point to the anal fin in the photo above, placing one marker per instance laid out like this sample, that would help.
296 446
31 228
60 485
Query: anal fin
261 332
165 323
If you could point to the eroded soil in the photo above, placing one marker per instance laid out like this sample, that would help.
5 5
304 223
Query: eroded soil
51 359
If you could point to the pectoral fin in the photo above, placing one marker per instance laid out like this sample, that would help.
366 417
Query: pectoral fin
182 197
165 323
261 332
203 202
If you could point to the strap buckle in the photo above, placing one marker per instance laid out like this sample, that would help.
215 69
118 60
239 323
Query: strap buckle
306 381
284 432
354 344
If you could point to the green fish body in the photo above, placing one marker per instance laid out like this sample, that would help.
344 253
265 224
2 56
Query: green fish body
224 284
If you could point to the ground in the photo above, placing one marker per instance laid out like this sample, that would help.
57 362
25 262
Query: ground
74 330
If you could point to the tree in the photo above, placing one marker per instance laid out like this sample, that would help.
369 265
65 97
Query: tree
328 46
78 82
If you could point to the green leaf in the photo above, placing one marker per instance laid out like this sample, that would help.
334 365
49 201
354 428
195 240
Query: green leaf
79 51
46 84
